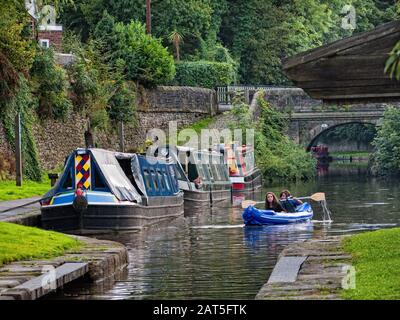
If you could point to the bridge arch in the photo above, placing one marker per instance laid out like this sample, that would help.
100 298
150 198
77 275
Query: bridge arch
321 129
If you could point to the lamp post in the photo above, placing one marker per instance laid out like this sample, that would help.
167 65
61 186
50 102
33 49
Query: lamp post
148 16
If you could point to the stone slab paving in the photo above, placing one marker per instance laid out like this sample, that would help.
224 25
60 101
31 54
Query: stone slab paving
286 269
319 277
97 260
16 211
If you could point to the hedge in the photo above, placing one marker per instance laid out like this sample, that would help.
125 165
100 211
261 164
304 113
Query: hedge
206 74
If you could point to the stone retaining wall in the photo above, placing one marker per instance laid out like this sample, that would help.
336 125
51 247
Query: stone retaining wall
156 107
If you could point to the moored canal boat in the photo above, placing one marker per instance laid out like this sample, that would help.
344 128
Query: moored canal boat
243 172
105 190
202 176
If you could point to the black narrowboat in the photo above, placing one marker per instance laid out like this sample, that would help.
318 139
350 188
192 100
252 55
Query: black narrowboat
106 190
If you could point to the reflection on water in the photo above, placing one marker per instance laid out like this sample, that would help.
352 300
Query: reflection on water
210 255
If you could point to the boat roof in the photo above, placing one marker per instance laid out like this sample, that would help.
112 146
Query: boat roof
108 170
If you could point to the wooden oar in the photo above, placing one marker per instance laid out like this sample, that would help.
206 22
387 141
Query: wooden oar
319 196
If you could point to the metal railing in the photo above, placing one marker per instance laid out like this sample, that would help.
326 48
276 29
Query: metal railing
225 94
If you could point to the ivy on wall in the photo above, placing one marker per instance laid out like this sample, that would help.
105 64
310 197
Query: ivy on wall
23 103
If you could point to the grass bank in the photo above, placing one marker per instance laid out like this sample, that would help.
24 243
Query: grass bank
354 154
376 258
9 191
22 243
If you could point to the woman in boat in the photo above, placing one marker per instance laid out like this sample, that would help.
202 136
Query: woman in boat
289 203
272 202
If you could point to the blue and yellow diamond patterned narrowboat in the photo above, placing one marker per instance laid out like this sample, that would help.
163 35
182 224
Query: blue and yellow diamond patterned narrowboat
103 190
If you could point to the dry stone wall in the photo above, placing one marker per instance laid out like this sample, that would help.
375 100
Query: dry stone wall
156 108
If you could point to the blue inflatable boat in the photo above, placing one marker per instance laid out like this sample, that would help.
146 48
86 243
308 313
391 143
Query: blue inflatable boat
253 216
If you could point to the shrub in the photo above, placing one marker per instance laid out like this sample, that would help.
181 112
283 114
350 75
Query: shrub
277 156
386 157
207 74
50 86
145 58
123 103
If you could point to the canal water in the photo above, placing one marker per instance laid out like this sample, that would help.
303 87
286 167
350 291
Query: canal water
211 255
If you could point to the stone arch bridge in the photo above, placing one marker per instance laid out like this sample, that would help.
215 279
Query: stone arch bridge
310 118
306 128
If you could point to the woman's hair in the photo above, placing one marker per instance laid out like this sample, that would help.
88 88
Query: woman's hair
275 200
286 192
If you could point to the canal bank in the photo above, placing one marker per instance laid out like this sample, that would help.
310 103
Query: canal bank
317 269
96 261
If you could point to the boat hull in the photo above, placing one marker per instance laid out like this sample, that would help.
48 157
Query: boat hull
112 216
250 183
254 216
199 199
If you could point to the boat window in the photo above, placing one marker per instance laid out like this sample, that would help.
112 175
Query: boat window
224 172
166 180
98 182
155 180
215 172
147 179
207 174
193 173
68 180
161 179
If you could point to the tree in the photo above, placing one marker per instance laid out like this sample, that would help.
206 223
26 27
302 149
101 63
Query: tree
176 39
17 49
144 57
386 158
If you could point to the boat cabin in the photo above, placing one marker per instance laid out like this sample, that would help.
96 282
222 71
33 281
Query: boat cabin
151 176
201 170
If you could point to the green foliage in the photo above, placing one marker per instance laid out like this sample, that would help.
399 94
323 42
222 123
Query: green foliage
99 91
261 33
24 243
258 33
49 82
386 158
24 103
16 47
392 66
123 103
145 59
376 257
206 74
188 16
278 157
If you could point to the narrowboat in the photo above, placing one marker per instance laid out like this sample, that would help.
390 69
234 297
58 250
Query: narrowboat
243 173
202 176
105 190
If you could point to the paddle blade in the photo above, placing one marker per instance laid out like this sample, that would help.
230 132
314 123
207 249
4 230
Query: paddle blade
248 203
319 196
